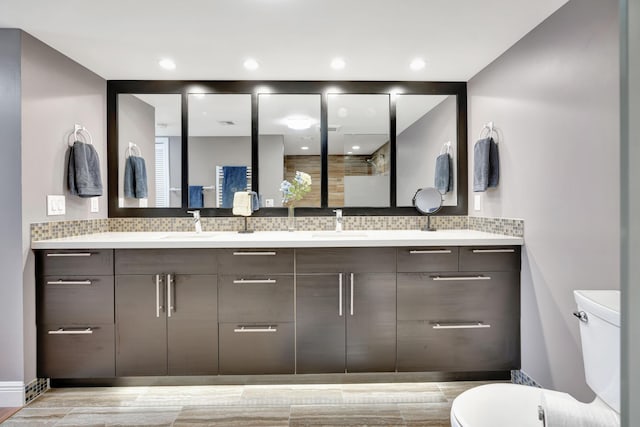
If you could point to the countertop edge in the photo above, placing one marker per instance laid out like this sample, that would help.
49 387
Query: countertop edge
95 242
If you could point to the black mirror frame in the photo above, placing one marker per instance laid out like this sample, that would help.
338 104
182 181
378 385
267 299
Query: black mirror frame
254 87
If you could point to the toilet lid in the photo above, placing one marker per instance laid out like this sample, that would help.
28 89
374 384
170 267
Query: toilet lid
498 405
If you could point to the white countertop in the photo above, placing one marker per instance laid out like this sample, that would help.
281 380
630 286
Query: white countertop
278 239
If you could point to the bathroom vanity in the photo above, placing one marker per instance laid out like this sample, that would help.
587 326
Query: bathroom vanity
176 304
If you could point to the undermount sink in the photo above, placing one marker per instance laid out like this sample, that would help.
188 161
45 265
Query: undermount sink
190 235
338 234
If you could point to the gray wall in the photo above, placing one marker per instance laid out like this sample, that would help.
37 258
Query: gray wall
11 321
271 159
137 124
630 213
56 93
554 97
419 145
205 153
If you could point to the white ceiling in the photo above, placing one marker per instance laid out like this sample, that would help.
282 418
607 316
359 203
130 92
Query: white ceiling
291 39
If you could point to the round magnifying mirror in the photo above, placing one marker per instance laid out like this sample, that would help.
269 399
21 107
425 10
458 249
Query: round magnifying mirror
427 201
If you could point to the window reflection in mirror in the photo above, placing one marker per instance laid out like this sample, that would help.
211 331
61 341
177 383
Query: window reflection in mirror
289 141
219 148
149 150
359 150
426 128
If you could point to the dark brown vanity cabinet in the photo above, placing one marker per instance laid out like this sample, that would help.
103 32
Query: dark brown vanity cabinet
345 310
75 318
166 312
256 306
459 319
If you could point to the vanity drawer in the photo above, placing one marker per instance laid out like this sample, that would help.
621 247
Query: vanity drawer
252 298
428 259
458 296
155 261
76 352
490 258
74 300
459 347
353 260
256 348
256 261
75 262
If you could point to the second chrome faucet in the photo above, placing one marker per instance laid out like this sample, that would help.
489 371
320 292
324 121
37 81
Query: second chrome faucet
196 220
338 219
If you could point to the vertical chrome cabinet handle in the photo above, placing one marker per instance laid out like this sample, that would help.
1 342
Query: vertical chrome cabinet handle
340 294
158 306
352 294
169 302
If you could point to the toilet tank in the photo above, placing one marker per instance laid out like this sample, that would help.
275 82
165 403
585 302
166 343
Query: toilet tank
600 336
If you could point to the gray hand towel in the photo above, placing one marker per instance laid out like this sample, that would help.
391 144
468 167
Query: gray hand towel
135 178
443 178
255 201
486 164
83 171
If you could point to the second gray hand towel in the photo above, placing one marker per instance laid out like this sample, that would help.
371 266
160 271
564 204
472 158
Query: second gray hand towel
443 176
486 164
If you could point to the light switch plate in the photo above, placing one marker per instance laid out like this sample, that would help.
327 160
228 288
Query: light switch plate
95 206
143 203
268 203
55 205
477 202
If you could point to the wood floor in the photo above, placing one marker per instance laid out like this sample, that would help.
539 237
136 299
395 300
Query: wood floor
397 404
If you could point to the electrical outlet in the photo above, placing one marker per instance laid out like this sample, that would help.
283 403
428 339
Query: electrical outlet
95 206
477 202
56 205
268 203
143 203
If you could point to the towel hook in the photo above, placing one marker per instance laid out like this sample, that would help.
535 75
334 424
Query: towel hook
446 148
133 147
78 129
491 130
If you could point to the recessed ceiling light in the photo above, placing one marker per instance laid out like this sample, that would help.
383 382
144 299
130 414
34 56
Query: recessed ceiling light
199 95
298 123
167 64
337 63
304 148
417 64
251 64
349 152
356 147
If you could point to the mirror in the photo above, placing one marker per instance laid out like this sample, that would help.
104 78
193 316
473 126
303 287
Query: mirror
289 141
359 150
426 131
427 201
149 150
219 148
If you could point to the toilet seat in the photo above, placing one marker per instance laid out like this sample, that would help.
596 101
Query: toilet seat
497 405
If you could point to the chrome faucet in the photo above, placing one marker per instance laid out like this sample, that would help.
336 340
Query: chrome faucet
338 219
196 220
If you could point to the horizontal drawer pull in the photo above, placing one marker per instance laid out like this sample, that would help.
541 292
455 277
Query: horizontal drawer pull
493 251
452 278
474 325
69 282
254 281
431 251
63 331
243 329
255 253
69 254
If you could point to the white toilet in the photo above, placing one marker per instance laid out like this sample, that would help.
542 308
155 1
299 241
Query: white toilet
509 405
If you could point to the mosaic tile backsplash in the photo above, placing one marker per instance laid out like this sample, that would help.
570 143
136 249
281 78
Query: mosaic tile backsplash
59 229
520 377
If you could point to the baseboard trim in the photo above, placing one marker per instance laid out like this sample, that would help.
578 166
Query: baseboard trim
11 394
284 379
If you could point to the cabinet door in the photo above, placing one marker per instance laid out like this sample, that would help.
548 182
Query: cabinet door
141 326
320 323
371 322
192 325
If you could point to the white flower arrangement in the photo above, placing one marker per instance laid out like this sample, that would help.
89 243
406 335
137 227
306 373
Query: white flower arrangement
294 191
